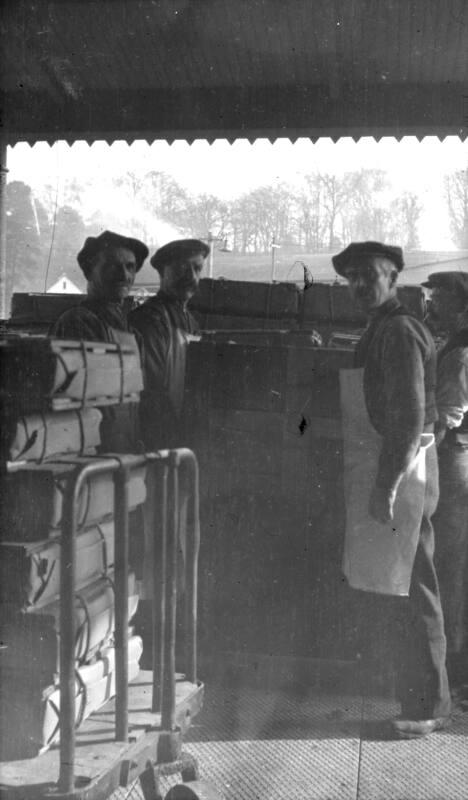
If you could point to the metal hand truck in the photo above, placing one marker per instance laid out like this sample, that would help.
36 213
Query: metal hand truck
139 734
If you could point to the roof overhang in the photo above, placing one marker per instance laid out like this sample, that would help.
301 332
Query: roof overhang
188 69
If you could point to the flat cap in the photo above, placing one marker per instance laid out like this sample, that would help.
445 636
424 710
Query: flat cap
177 251
105 240
456 282
358 250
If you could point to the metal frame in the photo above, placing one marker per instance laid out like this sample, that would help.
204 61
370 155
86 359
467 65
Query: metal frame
167 741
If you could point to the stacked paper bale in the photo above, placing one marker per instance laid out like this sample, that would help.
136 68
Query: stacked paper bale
256 405
50 395
266 424
35 312
328 307
224 304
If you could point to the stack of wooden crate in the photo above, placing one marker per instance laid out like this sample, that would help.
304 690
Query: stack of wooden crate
256 410
35 313
50 395
266 428
237 305
264 408
248 305
223 303
328 307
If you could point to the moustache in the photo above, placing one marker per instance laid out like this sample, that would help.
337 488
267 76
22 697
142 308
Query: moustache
122 285
187 285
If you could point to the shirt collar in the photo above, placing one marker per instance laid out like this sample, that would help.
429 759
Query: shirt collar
170 299
112 312
97 302
462 323
389 305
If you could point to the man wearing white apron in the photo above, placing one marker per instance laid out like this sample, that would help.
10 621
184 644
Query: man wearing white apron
391 479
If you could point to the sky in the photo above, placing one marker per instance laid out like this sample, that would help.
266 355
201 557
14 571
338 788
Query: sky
228 170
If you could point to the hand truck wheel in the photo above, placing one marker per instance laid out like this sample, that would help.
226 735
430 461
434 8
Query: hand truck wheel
195 790
190 772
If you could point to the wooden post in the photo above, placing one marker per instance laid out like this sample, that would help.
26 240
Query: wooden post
210 241
3 231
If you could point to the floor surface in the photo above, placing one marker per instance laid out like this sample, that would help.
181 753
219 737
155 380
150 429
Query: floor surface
255 744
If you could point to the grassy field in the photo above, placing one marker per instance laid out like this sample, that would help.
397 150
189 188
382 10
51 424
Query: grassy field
235 266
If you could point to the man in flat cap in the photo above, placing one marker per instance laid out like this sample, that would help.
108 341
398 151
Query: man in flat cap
109 262
396 364
449 309
165 325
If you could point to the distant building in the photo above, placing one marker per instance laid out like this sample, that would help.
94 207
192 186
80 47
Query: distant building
64 286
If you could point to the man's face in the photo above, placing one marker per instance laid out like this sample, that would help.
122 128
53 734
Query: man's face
113 273
370 283
445 307
181 280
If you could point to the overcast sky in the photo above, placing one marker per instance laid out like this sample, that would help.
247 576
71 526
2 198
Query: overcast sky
229 170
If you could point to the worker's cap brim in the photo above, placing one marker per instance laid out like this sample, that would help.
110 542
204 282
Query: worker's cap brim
357 251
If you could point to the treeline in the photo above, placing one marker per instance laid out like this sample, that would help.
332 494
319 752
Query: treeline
324 212
46 228
42 240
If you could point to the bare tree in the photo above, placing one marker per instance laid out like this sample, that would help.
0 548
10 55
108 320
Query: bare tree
456 195
309 218
364 216
332 198
406 212
27 239
203 214
262 215
131 182
243 223
337 196
166 197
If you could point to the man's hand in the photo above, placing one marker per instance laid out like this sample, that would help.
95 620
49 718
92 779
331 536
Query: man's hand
381 504
440 429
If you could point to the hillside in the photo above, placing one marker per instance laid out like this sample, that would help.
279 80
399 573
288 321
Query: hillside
235 266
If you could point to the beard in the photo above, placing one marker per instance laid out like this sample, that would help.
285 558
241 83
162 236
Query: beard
185 289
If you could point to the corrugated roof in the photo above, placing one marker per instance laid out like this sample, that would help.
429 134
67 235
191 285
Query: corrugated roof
132 69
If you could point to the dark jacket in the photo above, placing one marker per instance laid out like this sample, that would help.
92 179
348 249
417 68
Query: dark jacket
97 321
452 372
165 326
399 359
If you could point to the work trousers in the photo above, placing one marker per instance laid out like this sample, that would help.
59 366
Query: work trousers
422 683
451 557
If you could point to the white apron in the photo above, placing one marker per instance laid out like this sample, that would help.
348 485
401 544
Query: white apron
377 557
